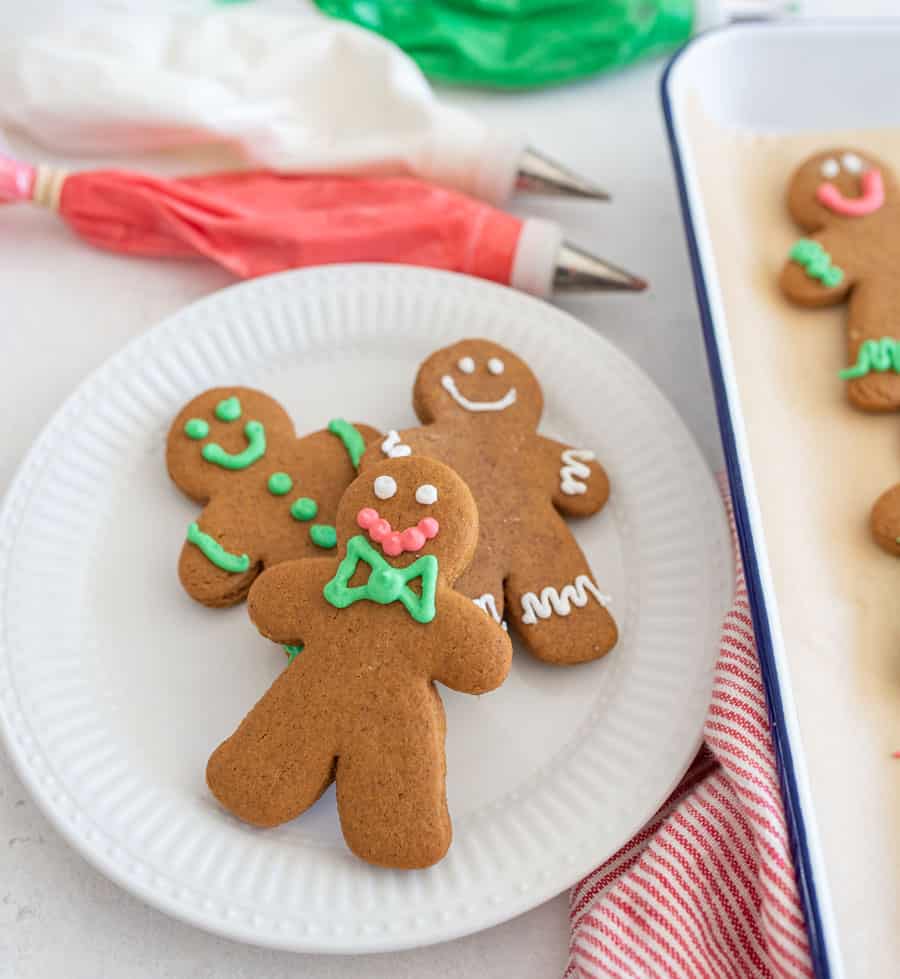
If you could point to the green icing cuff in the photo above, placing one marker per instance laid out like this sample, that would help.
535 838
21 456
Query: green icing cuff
354 443
874 355
213 551
816 262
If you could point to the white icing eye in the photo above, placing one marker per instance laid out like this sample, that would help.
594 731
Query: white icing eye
426 494
831 168
385 487
495 365
466 365
852 163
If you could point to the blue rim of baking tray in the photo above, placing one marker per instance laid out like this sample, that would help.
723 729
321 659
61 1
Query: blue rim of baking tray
786 771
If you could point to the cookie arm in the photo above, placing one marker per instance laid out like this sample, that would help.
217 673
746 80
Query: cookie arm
218 562
470 652
814 274
580 483
286 598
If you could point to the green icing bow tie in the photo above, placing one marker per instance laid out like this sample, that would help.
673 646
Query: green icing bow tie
386 583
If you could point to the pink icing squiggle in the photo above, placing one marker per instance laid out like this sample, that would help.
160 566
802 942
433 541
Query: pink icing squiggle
393 542
868 202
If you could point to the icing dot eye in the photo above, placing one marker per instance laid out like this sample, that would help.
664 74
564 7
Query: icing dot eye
196 428
229 409
830 168
426 494
851 163
385 487
280 483
496 366
466 365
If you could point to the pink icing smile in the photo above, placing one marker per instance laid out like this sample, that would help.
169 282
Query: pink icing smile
870 200
392 542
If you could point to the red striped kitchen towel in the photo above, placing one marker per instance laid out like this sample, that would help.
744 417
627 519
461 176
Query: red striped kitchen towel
707 889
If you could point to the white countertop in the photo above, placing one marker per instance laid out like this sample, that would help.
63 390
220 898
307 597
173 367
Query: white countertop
67 308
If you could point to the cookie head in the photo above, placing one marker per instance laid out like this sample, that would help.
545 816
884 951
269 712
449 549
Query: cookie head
480 381
407 508
220 434
839 184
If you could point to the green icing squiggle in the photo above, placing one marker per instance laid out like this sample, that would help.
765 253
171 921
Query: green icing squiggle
213 551
874 355
816 262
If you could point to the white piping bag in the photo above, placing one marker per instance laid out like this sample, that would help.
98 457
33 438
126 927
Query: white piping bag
289 90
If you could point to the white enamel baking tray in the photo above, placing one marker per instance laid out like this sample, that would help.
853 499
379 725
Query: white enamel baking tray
759 77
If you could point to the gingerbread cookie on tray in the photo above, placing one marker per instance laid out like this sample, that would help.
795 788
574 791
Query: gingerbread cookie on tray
379 622
848 202
269 496
480 406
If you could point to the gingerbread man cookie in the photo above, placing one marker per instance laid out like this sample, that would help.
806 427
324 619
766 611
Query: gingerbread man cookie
480 405
268 495
849 204
379 623
885 522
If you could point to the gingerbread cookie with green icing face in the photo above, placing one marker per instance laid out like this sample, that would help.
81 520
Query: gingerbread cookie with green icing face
480 405
849 205
269 496
380 622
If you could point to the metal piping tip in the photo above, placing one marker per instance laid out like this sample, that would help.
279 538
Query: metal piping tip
538 174
580 271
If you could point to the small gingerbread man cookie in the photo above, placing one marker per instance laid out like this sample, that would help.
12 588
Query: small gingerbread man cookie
849 204
268 495
885 522
379 623
480 405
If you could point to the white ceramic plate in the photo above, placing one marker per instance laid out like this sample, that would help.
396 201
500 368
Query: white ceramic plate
115 687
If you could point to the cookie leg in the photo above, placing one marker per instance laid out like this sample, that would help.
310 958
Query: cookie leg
875 392
278 762
554 603
391 789
885 521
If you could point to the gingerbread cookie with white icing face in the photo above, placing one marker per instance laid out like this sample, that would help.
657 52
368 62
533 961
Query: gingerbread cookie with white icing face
480 405
379 622
268 495
849 204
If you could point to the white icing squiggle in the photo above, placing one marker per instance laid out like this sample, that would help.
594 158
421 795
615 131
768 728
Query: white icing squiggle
488 604
560 602
393 448
574 471
449 385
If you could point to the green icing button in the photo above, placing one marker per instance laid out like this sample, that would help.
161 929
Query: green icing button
304 508
280 483
228 410
196 428
323 535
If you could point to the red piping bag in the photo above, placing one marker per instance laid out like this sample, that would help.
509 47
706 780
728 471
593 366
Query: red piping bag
257 222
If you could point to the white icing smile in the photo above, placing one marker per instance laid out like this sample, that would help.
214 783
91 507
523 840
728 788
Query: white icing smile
449 385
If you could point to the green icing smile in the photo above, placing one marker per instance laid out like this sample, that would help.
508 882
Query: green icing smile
256 449
213 551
